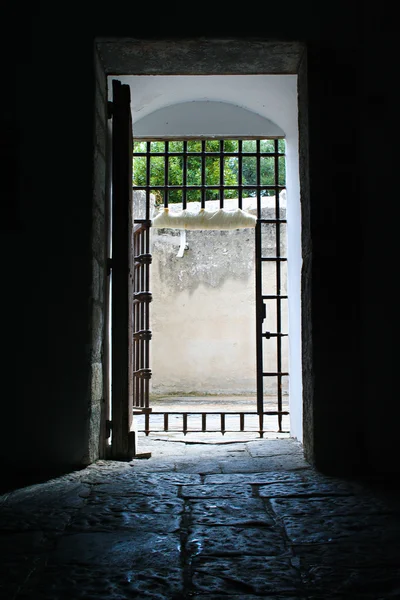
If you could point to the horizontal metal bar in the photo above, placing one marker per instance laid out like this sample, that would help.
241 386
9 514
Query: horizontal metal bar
142 334
271 221
180 412
196 138
143 222
274 375
273 259
268 334
255 186
273 297
217 154
143 373
175 430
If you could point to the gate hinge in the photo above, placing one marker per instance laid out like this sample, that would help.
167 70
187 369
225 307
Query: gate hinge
108 428
110 108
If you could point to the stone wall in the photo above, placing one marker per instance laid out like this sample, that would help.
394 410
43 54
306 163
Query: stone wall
97 299
203 309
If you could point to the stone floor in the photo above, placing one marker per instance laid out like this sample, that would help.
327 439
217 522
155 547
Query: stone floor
207 521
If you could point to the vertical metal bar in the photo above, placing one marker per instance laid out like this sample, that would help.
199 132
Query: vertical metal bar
203 174
240 174
223 423
147 317
221 173
258 180
147 423
259 299
136 327
241 416
278 287
184 176
141 305
148 182
166 171
185 423
261 424
204 422
165 421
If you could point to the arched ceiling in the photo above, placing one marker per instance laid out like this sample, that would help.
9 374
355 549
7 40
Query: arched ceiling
272 97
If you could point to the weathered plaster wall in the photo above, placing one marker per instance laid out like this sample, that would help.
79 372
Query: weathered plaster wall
204 308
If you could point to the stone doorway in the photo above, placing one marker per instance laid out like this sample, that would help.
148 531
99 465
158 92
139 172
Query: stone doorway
275 63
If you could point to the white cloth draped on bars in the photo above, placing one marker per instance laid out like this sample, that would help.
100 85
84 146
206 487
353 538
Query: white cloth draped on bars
205 219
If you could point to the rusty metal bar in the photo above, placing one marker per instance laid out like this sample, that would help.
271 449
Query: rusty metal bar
185 418
240 173
184 176
216 153
203 174
275 374
221 174
166 172
259 301
245 186
136 326
273 259
141 313
148 146
223 423
226 412
261 424
278 287
166 428
268 335
147 317
273 220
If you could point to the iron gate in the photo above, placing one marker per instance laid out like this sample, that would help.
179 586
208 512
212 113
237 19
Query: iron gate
260 173
141 317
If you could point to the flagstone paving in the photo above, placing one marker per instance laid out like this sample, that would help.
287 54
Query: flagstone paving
208 521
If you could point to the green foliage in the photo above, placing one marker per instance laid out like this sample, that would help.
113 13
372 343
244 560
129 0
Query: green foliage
212 168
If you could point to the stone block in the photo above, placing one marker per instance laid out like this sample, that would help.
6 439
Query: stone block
262 576
235 541
99 181
101 80
216 491
101 517
98 235
100 135
101 297
96 381
95 414
230 511
119 549
95 279
97 332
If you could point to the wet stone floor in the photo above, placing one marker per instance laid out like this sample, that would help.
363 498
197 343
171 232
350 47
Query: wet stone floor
207 521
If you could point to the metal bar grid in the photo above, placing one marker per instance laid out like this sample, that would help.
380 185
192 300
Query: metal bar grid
202 154
141 317
185 428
